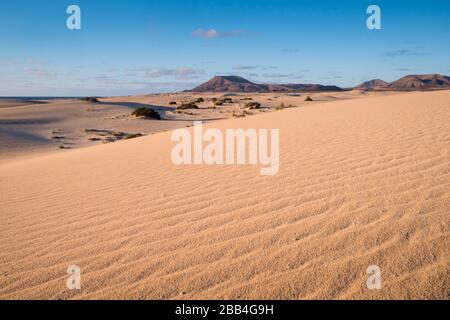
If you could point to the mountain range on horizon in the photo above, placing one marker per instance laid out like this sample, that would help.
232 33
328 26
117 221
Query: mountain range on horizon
406 83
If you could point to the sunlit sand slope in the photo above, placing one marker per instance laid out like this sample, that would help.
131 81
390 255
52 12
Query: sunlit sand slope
361 182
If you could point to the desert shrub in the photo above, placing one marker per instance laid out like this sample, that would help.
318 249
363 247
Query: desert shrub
308 98
280 107
218 103
146 113
90 99
187 105
172 103
283 106
199 100
237 115
253 105
132 136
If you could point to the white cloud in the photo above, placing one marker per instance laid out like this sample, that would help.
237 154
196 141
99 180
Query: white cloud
212 33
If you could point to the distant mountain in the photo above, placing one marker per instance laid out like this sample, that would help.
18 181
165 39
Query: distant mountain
239 84
228 84
420 82
407 83
372 84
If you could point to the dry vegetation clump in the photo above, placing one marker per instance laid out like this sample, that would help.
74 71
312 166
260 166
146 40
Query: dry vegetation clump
187 105
107 136
221 102
132 136
90 99
146 113
172 103
283 106
253 105
308 98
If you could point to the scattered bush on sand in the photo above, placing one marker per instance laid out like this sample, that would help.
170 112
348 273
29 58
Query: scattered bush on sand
172 103
90 99
146 113
283 106
308 98
132 136
253 105
187 105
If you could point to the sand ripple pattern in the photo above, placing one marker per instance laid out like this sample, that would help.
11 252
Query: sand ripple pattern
361 182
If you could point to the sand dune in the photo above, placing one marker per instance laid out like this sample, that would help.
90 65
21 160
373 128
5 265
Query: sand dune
362 182
30 127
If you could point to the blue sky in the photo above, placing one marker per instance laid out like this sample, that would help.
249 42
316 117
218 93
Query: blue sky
144 46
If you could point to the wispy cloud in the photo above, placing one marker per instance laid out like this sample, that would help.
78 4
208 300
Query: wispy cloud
269 68
34 61
41 72
212 33
179 73
402 69
402 53
290 50
241 67
282 75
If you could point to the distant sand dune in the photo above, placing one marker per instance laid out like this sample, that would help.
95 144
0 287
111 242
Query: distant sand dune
361 182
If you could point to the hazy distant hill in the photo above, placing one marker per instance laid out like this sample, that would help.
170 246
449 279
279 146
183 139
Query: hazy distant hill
420 82
372 84
239 84
228 84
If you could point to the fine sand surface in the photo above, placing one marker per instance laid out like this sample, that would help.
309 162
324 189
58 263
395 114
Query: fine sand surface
362 182
31 127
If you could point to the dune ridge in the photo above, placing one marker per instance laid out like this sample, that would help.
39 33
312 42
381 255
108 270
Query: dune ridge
361 182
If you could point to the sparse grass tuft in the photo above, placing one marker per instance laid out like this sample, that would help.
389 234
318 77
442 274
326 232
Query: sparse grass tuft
283 106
